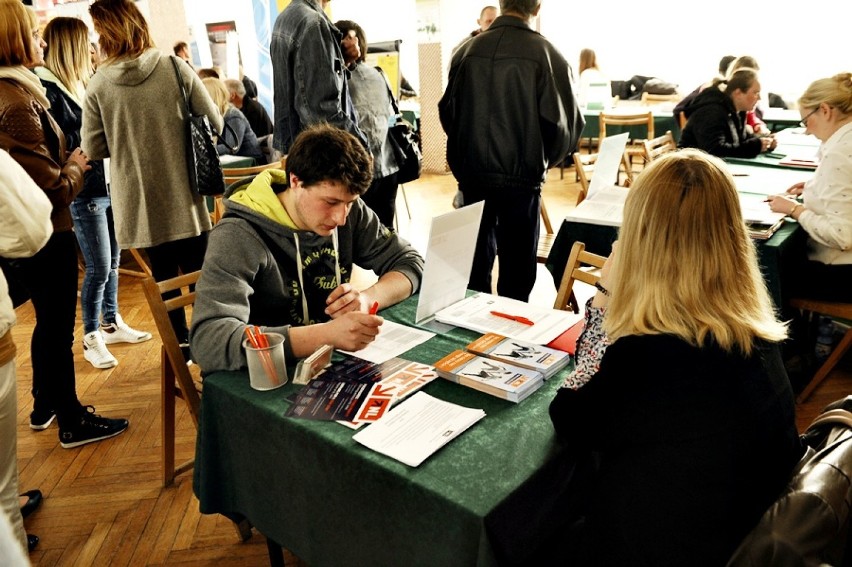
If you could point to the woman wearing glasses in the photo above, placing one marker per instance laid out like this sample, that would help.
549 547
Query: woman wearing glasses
717 118
825 211
690 415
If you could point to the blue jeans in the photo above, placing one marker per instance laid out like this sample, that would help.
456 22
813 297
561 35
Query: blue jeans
95 231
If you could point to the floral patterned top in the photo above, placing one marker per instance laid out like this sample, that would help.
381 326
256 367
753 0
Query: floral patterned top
591 345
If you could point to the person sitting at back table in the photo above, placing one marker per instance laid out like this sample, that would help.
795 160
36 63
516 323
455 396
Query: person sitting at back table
826 210
595 89
259 120
282 257
690 415
237 138
716 118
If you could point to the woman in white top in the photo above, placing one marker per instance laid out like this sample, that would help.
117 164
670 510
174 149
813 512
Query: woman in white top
595 89
825 210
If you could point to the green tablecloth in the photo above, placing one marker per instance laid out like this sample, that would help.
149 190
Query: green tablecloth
773 158
491 494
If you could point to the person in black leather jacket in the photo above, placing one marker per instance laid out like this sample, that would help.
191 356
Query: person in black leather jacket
509 112
716 118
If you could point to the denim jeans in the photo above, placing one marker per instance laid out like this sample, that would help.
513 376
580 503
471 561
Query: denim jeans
95 231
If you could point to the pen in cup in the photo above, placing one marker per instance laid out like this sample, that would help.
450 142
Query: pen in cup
259 341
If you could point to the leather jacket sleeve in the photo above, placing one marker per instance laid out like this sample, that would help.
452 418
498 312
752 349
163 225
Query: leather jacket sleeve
39 147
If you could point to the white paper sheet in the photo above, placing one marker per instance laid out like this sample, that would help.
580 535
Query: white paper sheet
417 427
761 180
475 313
393 340
605 208
449 259
609 160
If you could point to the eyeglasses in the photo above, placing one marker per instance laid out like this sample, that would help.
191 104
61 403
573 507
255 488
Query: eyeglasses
804 121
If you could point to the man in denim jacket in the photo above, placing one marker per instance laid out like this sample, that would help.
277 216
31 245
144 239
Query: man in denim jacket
310 79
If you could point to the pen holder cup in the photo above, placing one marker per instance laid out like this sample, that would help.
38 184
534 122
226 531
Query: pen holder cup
267 366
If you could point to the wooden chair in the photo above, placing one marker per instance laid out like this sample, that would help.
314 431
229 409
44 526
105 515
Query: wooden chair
234 174
832 309
585 166
634 146
581 266
648 98
681 120
546 238
659 146
176 379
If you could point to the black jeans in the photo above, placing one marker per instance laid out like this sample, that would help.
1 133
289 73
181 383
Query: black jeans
51 279
381 197
170 259
509 230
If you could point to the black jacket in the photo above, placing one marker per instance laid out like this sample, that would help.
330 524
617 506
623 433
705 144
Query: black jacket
509 110
693 445
715 126
69 116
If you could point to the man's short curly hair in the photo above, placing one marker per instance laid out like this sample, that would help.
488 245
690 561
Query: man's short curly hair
325 153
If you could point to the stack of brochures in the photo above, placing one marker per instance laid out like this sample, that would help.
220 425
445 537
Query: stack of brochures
546 360
501 379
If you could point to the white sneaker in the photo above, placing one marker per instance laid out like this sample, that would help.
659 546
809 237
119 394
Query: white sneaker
121 332
96 352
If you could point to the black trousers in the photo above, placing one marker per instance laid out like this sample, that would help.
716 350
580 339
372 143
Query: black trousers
50 277
170 259
509 231
381 197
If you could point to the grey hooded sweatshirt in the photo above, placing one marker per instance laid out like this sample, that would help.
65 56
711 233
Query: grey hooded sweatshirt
244 281
134 114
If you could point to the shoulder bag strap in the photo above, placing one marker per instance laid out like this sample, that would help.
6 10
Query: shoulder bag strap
390 92
182 87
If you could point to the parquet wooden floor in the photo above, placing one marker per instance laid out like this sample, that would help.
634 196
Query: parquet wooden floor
103 502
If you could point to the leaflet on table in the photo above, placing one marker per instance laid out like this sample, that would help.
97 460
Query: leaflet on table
606 208
475 313
761 180
756 210
353 390
393 340
417 428
546 360
493 377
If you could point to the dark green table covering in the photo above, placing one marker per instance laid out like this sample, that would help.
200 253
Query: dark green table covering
772 159
493 494
778 255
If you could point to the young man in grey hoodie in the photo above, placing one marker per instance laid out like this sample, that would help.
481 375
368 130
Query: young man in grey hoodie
282 256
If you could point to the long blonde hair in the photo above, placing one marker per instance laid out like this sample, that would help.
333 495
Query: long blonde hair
68 52
686 265
219 93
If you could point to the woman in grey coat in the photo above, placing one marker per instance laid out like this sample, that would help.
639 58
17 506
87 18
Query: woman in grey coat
134 114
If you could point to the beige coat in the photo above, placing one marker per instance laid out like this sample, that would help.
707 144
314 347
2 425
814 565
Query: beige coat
134 115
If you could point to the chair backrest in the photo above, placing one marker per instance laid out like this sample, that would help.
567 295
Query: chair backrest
648 98
809 523
640 119
659 145
585 166
581 266
234 174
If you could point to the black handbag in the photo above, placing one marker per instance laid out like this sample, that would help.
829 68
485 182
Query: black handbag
404 142
205 173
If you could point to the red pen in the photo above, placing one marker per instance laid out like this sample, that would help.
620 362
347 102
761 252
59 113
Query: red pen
374 308
517 318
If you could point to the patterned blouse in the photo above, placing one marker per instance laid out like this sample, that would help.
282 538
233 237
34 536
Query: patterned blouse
591 345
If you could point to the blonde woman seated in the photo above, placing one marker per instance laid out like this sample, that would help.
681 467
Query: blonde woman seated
690 415
826 208
595 90
237 137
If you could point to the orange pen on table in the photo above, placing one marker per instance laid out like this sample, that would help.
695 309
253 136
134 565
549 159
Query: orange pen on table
517 318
